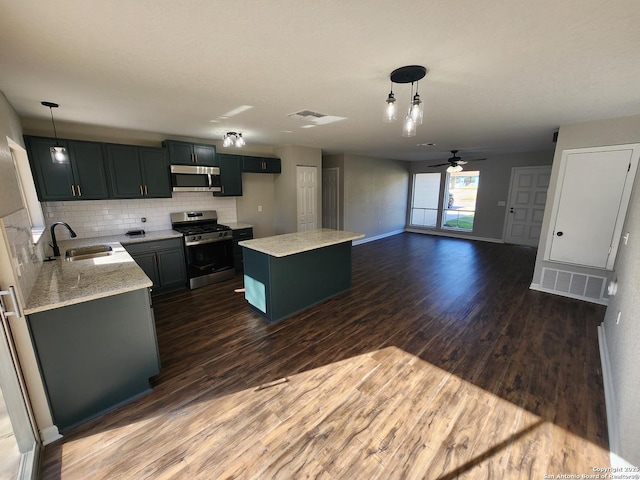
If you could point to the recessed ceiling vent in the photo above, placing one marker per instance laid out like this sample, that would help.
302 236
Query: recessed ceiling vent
305 114
315 118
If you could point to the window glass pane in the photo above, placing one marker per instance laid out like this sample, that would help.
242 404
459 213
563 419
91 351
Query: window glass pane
460 200
426 193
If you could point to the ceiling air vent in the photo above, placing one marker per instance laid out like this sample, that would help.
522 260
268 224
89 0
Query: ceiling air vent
315 118
306 114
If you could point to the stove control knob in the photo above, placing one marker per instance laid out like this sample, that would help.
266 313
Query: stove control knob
220 234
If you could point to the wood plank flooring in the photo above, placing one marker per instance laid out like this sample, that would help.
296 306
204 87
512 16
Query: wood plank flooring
439 363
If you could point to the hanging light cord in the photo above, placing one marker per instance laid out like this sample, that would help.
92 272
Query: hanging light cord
55 133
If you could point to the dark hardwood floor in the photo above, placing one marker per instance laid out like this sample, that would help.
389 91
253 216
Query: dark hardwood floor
438 363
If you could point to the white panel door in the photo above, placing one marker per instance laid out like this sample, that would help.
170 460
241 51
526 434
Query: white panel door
330 198
591 205
307 185
527 199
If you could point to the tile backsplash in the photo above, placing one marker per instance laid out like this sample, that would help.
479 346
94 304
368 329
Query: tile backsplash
25 256
95 218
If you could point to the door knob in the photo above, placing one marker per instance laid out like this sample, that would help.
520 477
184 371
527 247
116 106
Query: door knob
511 210
559 234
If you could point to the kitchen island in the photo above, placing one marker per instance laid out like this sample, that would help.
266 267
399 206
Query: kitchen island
286 274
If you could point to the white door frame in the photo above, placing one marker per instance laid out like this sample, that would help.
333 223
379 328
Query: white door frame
624 202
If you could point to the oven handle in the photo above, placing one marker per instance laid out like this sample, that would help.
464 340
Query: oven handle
209 177
204 242
204 267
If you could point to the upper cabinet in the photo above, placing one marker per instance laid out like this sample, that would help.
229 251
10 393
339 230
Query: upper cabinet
261 165
230 176
83 178
184 153
594 183
138 172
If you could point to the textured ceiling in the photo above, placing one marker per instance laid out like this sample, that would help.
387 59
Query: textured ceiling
502 75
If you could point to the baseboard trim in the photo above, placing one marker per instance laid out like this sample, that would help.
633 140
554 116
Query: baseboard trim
49 435
453 235
610 404
377 237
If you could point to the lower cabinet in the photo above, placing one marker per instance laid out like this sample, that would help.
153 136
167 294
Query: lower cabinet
162 261
239 235
95 355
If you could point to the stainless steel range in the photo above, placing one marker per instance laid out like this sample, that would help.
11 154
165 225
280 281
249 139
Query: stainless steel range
208 247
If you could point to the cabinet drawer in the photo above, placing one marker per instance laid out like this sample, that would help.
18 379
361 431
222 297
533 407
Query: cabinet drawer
243 234
153 246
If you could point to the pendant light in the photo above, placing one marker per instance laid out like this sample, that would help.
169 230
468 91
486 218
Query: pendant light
390 111
409 74
59 153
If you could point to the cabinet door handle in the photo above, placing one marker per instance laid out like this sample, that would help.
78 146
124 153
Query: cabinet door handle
141 191
196 157
79 191
73 190
146 192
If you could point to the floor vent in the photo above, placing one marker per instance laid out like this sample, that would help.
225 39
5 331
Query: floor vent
574 285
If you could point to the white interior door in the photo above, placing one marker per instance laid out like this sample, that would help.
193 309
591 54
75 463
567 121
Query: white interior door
590 205
527 199
330 198
307 187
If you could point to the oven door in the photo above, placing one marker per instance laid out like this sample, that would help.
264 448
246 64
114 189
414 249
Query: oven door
207 258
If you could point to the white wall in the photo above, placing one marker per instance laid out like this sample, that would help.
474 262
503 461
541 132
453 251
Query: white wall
375 195
286 214
495 178
623 339
19 259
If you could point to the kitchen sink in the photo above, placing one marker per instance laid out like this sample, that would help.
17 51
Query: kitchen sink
83 253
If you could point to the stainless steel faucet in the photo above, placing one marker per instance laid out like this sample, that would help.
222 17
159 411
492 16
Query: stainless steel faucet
54 245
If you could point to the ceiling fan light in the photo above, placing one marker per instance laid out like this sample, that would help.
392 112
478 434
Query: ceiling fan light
227 141
390 111
239 141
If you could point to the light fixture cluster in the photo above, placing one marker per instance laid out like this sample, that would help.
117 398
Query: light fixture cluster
415 115
233 139
59 153
454 168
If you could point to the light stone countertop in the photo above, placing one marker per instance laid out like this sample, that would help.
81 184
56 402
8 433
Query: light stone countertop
237 225
292 243
61 283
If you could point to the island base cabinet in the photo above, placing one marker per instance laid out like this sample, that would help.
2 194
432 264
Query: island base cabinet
96 355
278 287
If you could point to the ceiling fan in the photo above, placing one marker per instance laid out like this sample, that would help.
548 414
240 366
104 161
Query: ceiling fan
455 162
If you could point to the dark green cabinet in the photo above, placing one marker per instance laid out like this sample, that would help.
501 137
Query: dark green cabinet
184 153
83 178
162 261
95 355
239 235
261 165
230 176
138 172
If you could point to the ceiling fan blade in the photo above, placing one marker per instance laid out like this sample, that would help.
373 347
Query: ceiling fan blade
475 159
439 165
